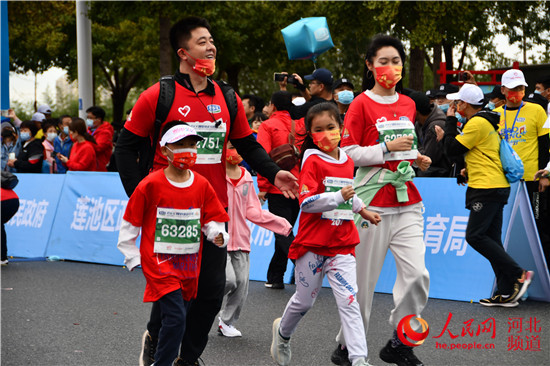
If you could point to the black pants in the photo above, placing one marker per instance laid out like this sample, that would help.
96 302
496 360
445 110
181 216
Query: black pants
540 203
202 310
289 209
173 311
483 233
9 208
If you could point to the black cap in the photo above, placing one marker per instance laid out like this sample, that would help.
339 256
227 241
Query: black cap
495 93
322 75
342 81
445 89
430 93
422 102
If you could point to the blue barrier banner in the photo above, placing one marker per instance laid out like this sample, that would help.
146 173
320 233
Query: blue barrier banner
29 230
77 217
86 226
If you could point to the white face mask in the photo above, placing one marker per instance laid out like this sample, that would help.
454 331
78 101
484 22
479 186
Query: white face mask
51 136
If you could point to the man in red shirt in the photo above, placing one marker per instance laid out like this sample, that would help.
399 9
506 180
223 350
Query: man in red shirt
102 131
199 101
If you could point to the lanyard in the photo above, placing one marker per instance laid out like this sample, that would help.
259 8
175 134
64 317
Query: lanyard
513 124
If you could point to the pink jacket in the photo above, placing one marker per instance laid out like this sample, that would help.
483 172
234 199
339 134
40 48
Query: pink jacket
244 204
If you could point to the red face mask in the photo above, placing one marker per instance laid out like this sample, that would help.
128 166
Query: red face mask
183 158
388 76
233 157
326 140
515 96
203 67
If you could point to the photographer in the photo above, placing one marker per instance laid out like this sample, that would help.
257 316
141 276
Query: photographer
318 91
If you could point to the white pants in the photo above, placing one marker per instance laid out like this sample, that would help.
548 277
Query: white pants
340 271
236 286
402 233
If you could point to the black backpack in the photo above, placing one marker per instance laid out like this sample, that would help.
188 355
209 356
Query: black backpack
164 104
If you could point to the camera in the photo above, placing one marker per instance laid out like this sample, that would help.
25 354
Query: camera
281 77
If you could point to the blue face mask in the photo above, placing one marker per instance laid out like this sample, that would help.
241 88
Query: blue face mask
491 105
444 107
66 130
25 136
345 96
537 92
461 119
89 122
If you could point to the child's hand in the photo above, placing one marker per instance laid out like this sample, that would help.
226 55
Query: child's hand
218 240
370 216
347 192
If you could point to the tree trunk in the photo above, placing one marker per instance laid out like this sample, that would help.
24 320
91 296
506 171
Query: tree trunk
448 50
416 69
435 65
165 49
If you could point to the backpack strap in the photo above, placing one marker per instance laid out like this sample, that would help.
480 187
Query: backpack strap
230 99
164 104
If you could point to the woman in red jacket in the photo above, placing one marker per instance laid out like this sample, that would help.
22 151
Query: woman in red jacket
83 157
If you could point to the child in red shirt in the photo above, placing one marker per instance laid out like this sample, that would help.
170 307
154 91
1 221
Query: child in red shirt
173 207
327 236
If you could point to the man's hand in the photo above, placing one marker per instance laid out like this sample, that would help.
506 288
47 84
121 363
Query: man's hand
218 240
403 143
11 114
347 192
543 184
452 109
11 162
287 184
423 162
282 84
462 179
63 158
439 132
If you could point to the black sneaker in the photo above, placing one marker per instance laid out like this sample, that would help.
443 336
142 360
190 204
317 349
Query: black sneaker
148 349
340 356
401 355
500 300
275 285
181 362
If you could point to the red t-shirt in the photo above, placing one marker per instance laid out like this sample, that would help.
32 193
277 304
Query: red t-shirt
169 272
83 157
191 108
360 129
315 234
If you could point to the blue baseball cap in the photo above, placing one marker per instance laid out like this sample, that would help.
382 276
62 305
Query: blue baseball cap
322 75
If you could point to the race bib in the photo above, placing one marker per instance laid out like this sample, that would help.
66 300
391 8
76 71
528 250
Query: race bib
390 130
177 231
344 211
209 150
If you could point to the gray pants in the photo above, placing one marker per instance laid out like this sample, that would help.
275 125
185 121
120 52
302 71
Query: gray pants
236 286
403 235
340 271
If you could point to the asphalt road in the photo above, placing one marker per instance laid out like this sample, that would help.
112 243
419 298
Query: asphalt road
71 313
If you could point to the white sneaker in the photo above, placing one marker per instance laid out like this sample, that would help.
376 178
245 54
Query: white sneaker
228 330
280 348
4 262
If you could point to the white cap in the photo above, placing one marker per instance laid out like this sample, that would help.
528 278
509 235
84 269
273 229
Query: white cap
469 93
298 101
177 133
39 117
45 109
513 78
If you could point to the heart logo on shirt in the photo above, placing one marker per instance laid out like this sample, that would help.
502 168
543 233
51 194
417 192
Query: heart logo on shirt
184 110
381 119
